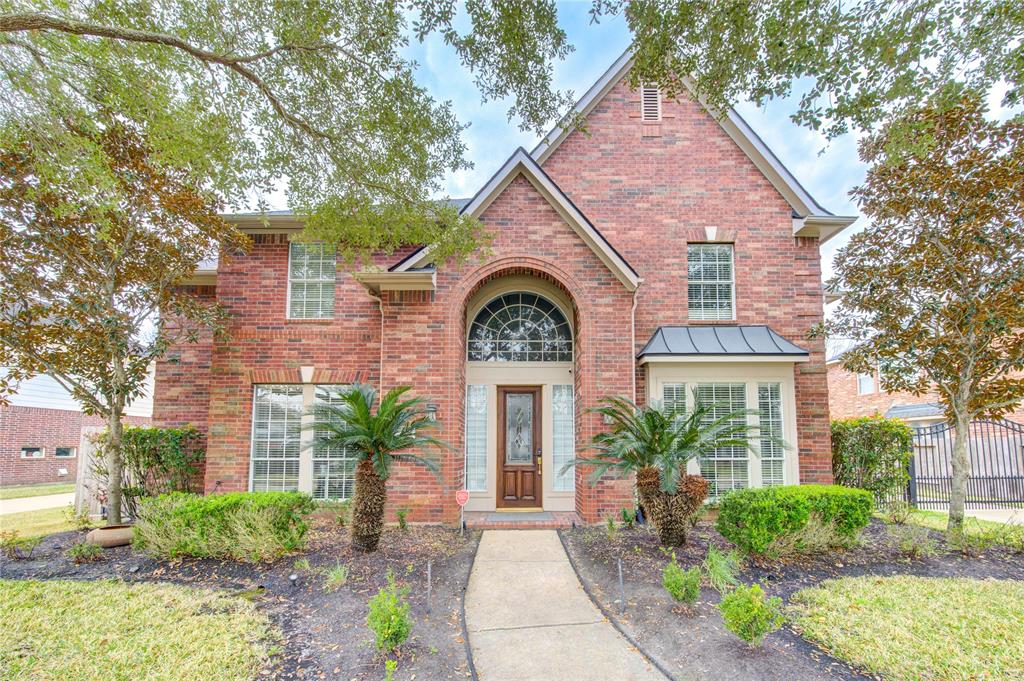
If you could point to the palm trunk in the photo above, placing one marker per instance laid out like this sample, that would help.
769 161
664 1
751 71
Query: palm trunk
961 472
367 521
670 513
112 452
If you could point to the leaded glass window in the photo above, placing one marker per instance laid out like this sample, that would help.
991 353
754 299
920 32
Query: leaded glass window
564 428
476 438
726 468
334 467
710 281
311 274
520 327
276 431
769 404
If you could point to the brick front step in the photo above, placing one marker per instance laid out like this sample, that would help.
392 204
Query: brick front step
538 520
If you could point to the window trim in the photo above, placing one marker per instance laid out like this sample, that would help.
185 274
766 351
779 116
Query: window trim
288 291
41 450
732 281
874 383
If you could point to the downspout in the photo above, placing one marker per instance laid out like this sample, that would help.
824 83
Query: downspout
380 368
632 338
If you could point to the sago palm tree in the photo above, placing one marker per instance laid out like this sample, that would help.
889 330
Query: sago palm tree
376 439
655 444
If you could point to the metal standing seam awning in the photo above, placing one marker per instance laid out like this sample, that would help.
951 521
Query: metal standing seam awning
720 343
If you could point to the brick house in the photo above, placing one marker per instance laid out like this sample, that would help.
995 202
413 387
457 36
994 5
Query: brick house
660 253
851 395
41 433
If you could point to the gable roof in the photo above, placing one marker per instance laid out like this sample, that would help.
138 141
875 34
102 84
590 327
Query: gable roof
810 218
521 163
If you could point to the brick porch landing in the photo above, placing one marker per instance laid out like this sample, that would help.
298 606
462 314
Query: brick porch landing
539 520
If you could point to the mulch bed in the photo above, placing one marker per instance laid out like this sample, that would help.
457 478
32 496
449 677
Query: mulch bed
694 643
325 635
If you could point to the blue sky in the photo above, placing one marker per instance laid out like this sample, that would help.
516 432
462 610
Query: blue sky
491 137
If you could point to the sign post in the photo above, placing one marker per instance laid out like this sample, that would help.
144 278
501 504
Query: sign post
461 498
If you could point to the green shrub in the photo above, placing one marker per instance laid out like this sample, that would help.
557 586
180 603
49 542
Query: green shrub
872 453
18 548
755 518
682 585
816 536
721 568
84 552
628 518
609 527
388 618
750 614
248 526
403 514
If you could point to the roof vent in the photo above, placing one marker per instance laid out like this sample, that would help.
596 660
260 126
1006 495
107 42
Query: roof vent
650 104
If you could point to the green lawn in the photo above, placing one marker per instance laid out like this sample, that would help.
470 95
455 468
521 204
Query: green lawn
36 490
36 523
113 630
937 520
906 628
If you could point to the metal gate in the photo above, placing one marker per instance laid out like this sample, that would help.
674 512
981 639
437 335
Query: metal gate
996 450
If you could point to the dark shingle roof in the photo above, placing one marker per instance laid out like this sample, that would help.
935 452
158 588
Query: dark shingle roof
914 411
722 340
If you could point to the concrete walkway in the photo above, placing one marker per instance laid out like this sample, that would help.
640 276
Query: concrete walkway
36 503
529 618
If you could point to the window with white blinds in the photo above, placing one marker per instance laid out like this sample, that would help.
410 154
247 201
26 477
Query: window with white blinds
476 438
311 274
710 281
727 468
673 397
650 104
564 427
769 404
276 432
333 467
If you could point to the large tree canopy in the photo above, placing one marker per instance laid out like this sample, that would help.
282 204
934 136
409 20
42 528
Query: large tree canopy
853 63
933 288
243 94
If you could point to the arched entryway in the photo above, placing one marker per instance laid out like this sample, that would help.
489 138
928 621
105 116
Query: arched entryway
520 416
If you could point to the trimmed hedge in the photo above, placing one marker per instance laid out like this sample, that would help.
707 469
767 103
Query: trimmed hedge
754 518
872 453
248 526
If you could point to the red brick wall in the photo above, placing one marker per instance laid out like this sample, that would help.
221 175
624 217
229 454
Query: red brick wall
844 402
46 428
652 188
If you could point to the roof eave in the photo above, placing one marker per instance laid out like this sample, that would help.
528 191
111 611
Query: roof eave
376 281
256 223
704 358
824 227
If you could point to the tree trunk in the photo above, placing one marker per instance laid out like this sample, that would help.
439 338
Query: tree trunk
368 499
670 513
112 452
961 471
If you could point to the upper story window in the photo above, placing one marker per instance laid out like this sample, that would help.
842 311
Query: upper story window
650 104
711 282
311 273
520 327
865 384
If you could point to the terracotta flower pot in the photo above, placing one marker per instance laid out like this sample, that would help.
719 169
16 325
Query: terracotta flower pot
110 536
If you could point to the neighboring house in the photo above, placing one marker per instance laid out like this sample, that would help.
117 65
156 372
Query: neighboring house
851 395
661 252
41 432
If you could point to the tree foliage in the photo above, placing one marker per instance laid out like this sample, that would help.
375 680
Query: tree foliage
873 453
933 287
83 271
243 95
853 64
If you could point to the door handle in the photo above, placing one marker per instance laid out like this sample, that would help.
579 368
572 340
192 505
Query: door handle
540 460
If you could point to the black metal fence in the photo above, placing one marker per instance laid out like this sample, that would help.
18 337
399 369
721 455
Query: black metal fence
996 450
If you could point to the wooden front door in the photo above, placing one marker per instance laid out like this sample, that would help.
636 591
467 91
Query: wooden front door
519 447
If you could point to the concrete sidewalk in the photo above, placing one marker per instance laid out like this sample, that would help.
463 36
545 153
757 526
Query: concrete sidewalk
36 503
529 618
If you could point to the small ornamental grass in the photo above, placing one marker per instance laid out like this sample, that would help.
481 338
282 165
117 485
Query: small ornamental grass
750 614
66 630
721 568
246 526
388 618
905 627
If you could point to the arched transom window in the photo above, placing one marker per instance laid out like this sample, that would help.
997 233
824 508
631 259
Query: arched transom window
520 327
